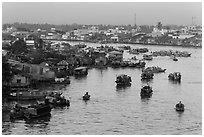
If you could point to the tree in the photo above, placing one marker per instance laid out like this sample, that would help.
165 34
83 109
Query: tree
19 47
159 25
38 56
7 73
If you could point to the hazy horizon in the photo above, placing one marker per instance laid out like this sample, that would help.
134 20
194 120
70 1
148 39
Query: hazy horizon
113 13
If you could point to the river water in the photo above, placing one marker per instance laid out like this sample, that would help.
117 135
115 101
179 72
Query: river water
113 111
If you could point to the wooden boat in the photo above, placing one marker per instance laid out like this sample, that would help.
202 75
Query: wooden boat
115 64
30 112
134 58
55 99
81 71
123 80
26 95
147 75
147 57
38 110
17 112
154 69
146 91
176 76
142 50
86 96
124 63
175 59
62 80
140 64
132 64
133 51
179 107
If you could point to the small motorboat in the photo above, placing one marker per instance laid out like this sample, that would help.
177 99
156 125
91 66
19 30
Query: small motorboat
56 99
86 96
26 95
176 76
147 75
31 111
81 71
38 110
62 80
123 80
154 69
179 107
140 64
175 59
147 57
146 91
17 112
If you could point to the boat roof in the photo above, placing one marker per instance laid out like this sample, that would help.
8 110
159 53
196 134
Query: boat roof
115 52
122 75
177 72
79 68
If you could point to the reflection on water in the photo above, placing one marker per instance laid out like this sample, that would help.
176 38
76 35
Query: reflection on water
175 82
42 120
122 88
120 110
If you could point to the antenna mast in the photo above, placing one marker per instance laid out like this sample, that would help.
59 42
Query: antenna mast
135 20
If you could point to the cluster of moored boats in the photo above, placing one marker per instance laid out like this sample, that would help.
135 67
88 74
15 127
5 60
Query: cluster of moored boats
171 53
54 99
48 100
134 64
138 50
42 107
148 73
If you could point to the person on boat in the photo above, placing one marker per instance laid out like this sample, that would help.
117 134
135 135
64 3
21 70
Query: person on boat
179 105
38 102
46 101
87 94
17 107
58 96
52 94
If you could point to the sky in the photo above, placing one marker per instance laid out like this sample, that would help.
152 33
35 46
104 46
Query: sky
114 13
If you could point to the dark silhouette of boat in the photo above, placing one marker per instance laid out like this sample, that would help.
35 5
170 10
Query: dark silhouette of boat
26 95
123 80
180 107
154 69
31 111
86 96
147 75
55 99
61 80
146 92
176 76
147 57
81 71
175 59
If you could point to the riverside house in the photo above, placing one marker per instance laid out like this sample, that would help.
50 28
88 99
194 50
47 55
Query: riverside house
36 72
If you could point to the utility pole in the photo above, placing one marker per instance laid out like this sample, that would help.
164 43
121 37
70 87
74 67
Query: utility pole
193 20
135 20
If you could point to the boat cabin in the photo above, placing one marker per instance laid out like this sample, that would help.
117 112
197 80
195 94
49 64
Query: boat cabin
80 71
123 80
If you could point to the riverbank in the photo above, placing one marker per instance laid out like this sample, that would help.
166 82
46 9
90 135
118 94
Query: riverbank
159 44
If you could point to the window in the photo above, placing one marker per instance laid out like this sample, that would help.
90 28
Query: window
41 71
27 69
18 81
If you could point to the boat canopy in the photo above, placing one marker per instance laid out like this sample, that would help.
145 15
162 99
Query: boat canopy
80 68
